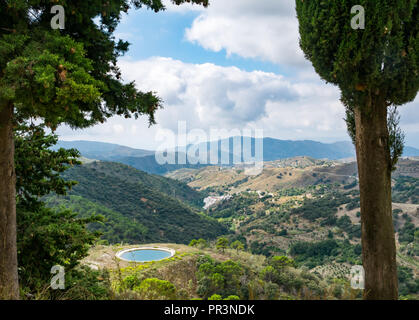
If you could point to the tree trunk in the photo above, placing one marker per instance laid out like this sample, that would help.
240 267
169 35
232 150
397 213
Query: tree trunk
374 168
9 287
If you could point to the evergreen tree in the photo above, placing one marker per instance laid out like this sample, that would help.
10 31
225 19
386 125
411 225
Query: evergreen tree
375 68
237 245
46 237
59 76
222 243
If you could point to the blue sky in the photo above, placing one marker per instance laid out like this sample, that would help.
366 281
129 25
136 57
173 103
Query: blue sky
235 66
163 34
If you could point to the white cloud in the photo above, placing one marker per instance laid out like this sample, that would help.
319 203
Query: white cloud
208 96
266 30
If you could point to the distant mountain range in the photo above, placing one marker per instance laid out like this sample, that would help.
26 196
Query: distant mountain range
411 152
232 149
103 150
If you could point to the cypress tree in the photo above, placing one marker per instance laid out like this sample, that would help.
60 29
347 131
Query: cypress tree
376 68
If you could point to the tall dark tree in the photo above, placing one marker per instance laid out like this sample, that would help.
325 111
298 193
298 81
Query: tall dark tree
59 76
45 237
375 68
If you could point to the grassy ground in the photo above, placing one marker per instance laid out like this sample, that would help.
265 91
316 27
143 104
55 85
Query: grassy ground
179 269
104 257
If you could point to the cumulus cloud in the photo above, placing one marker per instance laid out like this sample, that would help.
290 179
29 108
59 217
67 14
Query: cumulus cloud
251 29
207 96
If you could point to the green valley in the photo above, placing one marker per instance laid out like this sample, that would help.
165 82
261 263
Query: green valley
138 207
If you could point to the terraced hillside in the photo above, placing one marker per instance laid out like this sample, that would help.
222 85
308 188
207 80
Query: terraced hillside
308 210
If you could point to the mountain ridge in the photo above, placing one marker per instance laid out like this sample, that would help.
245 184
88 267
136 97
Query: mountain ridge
273 149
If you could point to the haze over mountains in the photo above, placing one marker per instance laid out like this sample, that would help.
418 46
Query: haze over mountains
273 149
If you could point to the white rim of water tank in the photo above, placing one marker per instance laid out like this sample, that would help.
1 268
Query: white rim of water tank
120 253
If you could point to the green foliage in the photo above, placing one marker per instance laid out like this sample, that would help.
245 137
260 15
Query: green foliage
415 248
313 254
283 232
407 233
396 137
380 60
58 75
264 248
351 185
346 225
292 192
156 289
114 226
200 243
215 297
322 208
218 278
269 274
353 203
38 168
222 243
238 182
48 75
271 291
281 261
84 284
130 281
406 190
169 187
46 237
408 284
237 245
237 206
320 249
280 273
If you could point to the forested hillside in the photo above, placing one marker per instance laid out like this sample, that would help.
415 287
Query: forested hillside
139 207
114 170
